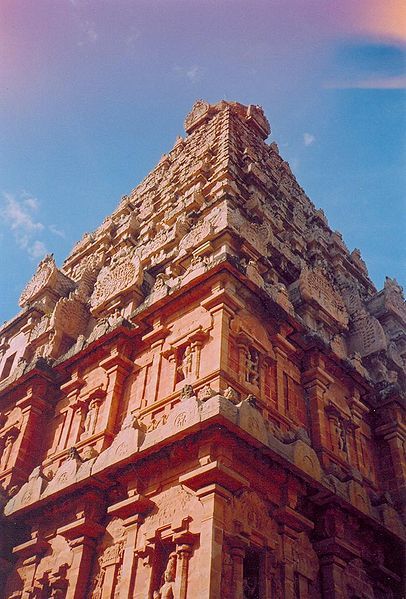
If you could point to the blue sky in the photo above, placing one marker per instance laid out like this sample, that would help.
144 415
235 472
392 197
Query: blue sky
95 91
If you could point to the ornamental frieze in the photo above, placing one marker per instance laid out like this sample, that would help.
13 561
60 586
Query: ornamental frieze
122 275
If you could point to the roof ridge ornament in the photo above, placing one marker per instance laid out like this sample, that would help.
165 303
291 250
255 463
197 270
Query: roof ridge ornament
200 110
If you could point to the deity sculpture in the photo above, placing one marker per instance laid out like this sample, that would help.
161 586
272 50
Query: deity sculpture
7 449
342 436
167 589
186 366
91 417
252 367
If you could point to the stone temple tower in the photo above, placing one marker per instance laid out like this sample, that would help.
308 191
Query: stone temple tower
205 400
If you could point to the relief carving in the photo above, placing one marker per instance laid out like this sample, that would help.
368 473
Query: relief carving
122 275
173 506
112 558
249 512
6 447
313 286
167 589
394 300
91 416
367 335
252 366
46 278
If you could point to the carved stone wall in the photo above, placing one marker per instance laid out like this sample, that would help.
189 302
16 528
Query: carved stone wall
207 398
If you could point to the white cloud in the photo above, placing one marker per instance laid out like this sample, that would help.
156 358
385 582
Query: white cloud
17 215
37 249
31 203
308 139
193 73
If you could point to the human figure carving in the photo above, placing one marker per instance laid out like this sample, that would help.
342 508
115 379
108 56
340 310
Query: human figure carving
252 367
186 366
167 590
91 417
7 449
342 436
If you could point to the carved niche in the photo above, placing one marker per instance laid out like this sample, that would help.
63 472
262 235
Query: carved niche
122 275
47 283
91 411
314 287
341 427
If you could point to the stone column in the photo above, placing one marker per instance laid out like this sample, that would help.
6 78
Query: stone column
316 382
183 551
291 524
332 577
72 389
155 339
222 305
83 548
392 430
214 498
237 552
82 535
132 511
358 412
117 367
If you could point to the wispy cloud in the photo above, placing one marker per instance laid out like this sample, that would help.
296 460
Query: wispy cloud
55 231
19 216
308 139
193 73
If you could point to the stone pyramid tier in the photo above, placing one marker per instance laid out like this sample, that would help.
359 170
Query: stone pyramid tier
222 194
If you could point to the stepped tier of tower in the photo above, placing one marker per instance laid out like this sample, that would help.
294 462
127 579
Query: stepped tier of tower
210 383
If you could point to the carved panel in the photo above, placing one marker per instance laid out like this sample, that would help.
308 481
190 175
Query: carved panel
248 513
314 286
123 274
367 335
46 277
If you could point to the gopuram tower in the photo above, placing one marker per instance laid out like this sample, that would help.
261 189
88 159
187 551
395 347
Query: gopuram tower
205 400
